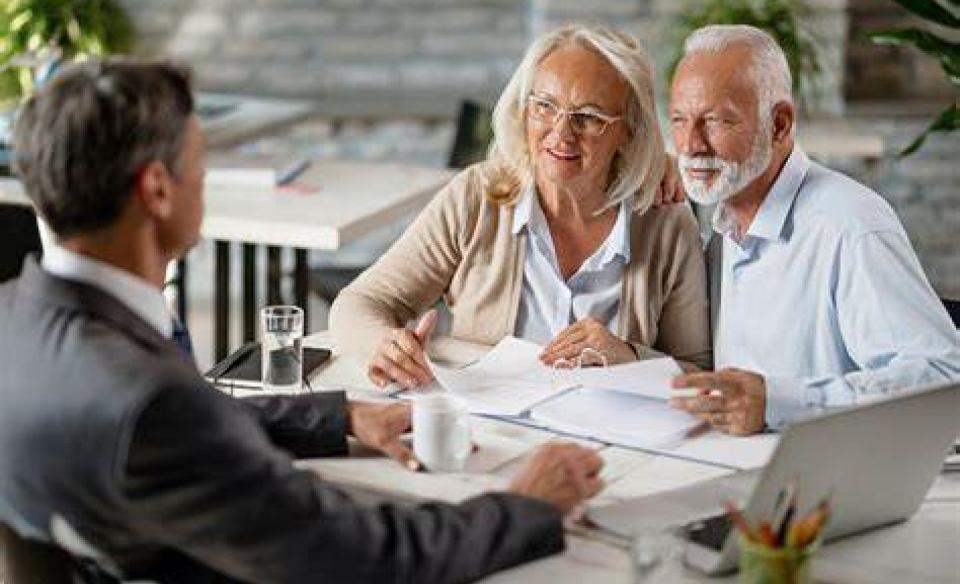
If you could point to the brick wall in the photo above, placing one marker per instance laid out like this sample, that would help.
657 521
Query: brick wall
886 72
313 48
308 48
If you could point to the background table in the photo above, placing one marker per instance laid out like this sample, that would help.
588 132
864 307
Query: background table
342 201
345 201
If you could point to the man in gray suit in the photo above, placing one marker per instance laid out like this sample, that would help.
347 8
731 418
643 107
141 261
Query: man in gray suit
115 449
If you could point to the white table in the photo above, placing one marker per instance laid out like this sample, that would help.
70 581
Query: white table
343 201
348 200
921 550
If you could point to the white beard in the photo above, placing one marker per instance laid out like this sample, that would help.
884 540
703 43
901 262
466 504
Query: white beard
733 176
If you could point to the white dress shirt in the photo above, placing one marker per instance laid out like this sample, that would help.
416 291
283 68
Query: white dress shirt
548 304
138 295
825 297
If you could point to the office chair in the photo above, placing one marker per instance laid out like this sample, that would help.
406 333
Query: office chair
953 309
24 561
20 236
473 134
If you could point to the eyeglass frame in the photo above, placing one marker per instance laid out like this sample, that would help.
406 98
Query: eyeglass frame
566 113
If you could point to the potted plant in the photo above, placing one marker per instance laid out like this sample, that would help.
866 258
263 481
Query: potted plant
780 18
33 31
946 52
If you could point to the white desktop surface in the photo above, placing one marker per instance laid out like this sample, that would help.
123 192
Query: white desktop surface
350 199
343 200
923 549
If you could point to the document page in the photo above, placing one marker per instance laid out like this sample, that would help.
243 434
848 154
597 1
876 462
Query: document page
510 379
649 378
616 417
507 381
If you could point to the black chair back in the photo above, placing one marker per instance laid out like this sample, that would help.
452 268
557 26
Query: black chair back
474 132
953 308
25 561
19 236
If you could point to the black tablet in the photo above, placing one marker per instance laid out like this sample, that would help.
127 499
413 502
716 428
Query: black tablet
242 368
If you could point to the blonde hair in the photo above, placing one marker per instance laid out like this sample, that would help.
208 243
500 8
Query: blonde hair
637 167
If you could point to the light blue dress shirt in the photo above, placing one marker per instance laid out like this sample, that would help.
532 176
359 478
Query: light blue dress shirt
825 297
548 304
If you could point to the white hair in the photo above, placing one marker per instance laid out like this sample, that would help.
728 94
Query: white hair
768 68
637 167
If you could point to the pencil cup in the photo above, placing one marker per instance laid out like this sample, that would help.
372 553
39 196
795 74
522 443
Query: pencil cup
282 353
761 564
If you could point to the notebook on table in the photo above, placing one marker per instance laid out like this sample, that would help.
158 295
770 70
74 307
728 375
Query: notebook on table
243 367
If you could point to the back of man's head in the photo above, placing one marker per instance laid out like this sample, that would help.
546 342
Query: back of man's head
82 140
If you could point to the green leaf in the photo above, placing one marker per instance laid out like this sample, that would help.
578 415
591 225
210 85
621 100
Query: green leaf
778 17
932 11
20 20
948 121
946 52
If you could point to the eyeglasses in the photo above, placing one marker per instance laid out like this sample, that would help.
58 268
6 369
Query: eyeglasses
583 122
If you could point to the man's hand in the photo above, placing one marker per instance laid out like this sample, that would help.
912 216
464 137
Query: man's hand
732 400
671 187
379 426
588 333
402 355
560 473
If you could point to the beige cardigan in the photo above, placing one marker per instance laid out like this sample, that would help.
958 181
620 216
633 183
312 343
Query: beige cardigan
462 247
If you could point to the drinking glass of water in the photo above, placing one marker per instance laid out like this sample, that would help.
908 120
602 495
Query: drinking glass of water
282 348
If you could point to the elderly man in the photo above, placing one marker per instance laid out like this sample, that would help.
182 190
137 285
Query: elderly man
818 299
111 444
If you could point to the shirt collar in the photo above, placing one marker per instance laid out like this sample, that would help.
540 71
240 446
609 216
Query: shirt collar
523 210
772 215
139 296
527 211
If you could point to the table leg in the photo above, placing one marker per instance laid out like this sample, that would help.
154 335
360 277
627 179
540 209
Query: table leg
221 319
274 276
301 286
249 292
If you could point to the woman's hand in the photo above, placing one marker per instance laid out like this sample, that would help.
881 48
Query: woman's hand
402 356
588 333
671 187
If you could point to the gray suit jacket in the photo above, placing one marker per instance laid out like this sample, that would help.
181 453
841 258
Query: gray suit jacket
112 445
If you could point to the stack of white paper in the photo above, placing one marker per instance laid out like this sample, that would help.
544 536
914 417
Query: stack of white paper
619 404
507 381
616 417
510 379
649 378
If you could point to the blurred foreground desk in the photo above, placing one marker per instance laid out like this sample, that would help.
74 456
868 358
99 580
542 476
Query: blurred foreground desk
921 550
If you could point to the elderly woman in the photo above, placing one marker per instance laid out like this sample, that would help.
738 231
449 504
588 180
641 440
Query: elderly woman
555 237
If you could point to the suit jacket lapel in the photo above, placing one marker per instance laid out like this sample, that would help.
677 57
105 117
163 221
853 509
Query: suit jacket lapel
72 295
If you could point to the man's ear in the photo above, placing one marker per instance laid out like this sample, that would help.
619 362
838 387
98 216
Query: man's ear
154 190
784 117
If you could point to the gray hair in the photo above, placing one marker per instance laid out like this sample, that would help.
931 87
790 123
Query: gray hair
768 68
82 139
637 168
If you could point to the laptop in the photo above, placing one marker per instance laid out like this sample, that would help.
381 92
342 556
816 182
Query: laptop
875 462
